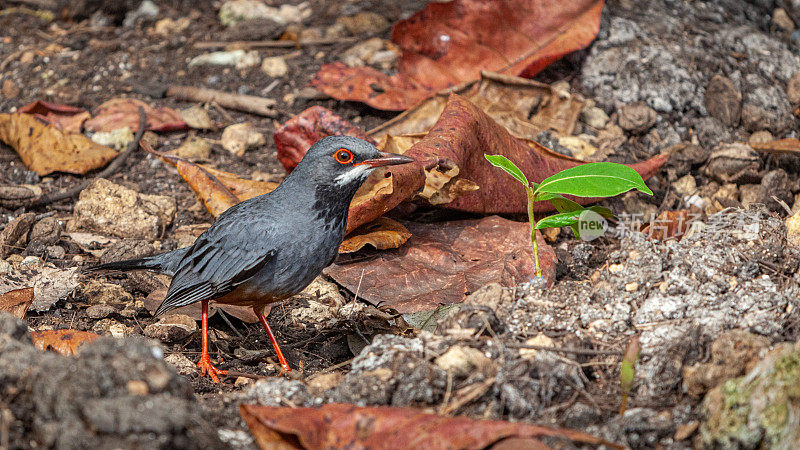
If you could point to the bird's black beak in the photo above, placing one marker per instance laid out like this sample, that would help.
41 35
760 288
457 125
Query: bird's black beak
387 159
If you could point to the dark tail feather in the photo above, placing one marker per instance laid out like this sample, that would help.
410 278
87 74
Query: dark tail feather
128 264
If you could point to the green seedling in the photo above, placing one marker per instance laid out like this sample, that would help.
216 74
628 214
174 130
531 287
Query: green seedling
593 180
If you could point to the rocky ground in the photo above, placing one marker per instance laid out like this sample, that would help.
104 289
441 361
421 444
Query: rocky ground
716 313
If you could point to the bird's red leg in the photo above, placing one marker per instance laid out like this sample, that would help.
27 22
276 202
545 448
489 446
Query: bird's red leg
260 313
205 362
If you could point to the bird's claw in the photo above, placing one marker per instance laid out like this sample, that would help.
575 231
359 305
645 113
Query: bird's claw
207 368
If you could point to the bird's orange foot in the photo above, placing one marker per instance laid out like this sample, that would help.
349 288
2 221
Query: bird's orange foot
207 368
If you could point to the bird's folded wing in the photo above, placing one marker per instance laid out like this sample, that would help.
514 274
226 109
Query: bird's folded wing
219 260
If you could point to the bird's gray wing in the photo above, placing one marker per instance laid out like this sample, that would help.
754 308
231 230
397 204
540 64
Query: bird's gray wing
226 255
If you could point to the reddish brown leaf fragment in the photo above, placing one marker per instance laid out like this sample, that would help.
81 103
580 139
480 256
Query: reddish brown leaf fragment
349 426
17 302
124 112
65 342
670 224
65 118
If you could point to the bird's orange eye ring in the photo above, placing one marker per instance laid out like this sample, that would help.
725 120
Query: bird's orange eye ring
343 156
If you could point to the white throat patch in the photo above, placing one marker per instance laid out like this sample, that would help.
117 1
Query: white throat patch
352 174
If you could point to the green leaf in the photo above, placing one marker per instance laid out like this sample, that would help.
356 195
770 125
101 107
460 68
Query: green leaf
564 219
563 204
603 179
602 210
505 164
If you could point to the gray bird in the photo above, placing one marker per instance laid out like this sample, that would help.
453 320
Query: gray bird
269 247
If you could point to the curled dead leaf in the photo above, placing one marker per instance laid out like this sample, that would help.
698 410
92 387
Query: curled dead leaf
17 301
383 233
46 149
65 342
68 119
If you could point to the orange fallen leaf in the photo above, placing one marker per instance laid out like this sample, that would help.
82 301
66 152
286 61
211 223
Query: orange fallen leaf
65 342
446 44
218 190
124 112
349 426
442 263
17 302
383 233
66 118
46 149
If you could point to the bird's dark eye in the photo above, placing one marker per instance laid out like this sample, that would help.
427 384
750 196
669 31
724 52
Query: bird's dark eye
343 156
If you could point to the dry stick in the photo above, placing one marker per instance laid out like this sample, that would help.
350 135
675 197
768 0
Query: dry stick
111 169
247 103
271 44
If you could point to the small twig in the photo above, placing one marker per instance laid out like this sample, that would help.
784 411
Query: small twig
228 321
239 102
576 351
336 366
244 45
111 169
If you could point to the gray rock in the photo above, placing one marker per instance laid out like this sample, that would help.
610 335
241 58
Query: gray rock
723 100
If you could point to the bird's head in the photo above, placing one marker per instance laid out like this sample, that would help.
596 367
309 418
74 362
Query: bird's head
344 162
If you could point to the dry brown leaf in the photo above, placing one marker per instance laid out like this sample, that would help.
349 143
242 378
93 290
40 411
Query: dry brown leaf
508 100
65 342
444 262
349 426
449 43
45 149
383 233
17 302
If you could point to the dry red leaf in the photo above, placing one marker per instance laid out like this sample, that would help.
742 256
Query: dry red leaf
66 118
669 225
65 342
444 262
124 112
17 302
383 233
294 137
46 149
455 148
349 426
449 43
